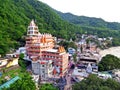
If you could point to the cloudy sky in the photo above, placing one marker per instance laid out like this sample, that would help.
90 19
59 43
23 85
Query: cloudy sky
109 10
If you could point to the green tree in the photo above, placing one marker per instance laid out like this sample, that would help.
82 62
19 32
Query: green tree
48 86
22 62
81 49
109 62
15 16
68 44
73 45
25 83
75 58
116 42
95 83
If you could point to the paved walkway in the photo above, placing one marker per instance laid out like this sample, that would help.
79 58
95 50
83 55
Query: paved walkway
68 78
68 87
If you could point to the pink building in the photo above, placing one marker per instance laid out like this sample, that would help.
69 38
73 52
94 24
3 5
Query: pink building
41 47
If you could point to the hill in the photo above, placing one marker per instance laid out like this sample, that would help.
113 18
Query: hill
89 21
94 26
15 16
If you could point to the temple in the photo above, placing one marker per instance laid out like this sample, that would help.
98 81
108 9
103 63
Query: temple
41 48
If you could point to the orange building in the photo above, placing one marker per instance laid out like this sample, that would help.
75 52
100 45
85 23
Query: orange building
41 46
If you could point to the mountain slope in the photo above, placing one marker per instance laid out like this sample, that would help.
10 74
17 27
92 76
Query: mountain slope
93 25
89 21
15 16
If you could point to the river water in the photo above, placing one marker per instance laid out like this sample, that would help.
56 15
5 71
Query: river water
113 50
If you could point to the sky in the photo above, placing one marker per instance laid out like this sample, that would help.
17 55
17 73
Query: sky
109 10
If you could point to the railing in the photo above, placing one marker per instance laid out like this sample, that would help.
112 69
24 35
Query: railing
36 50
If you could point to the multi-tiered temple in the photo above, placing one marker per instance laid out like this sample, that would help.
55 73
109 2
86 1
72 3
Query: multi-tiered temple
40 48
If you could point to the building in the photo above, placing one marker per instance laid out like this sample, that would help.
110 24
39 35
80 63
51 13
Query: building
78 72
41 48
89 58
21 50
16 54
37 42
71 51
116 72
8 62
43 68
104 75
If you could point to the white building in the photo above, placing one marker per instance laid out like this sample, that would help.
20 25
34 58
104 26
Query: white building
36 79
104 75
21 50
42 68
78 72
117 72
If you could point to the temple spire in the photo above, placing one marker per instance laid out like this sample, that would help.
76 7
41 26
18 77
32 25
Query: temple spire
32 29
32 23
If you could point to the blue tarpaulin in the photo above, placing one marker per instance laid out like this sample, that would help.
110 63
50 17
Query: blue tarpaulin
8 83
0 74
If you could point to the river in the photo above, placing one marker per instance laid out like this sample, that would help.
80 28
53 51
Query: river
113 50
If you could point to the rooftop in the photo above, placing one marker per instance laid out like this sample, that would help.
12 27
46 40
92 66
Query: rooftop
76 72
7 84
52 50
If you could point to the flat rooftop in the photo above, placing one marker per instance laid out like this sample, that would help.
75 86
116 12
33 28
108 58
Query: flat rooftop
52 50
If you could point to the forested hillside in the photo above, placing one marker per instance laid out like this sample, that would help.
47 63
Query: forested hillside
15 16
89 21
95 26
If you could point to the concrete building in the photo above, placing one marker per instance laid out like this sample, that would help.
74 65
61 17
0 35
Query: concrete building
42 68
41 48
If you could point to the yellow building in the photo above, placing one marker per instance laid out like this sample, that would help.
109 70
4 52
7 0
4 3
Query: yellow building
8 62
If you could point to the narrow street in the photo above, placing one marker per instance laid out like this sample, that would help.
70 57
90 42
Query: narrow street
68 78
68 86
